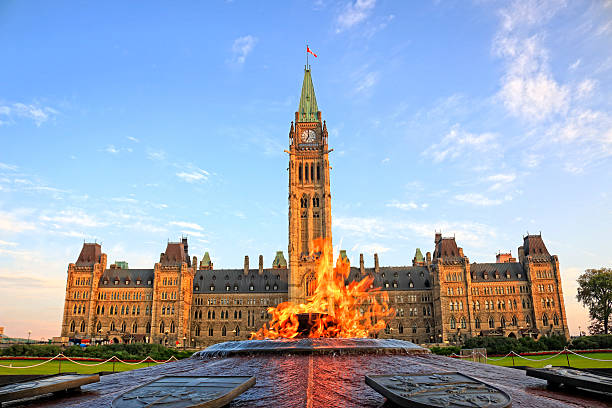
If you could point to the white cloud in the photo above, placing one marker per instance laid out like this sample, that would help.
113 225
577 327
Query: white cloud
366 82
403 206
156 155
73 217
194 176
575 65
458 142
188 225
367 249
385 160
35 112
534 98
7 243
242 47
11 167
11 222
111 149
585 88
480 200
133 139
354 13
501 180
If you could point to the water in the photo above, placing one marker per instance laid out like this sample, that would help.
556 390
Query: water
336 346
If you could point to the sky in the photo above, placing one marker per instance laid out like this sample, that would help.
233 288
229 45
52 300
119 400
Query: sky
131 124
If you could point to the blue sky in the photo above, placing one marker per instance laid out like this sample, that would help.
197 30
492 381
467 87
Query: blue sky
133 123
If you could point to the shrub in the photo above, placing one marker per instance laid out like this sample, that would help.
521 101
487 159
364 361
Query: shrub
599 341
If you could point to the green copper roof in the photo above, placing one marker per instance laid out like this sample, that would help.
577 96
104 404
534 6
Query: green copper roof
307 111
279 260
418 256
343 255
122 265
205 260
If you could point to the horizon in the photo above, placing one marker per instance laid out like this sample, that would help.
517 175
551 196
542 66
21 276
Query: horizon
135 126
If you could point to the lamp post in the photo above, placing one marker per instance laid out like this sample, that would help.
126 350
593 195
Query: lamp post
166 338
29 333
184 340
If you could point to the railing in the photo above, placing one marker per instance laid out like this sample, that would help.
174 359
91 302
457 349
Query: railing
514 354
114 359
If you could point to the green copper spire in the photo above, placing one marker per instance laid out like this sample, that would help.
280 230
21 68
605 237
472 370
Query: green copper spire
418 256
279 260
307 111
205 262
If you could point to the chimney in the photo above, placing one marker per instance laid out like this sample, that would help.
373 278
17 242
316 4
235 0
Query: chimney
361 267
261 264
521 254
438 237
376 268
246 264
460 252
428 258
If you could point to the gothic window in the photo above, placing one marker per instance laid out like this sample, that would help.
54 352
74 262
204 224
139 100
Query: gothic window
133 310
162 327
491 323
300 171
74 311
72 326
223 331
453 323
306 173
122 309
172 327
503 321
411 284
135 328
311 284
387 329
99 327
427 328
112 326
213 315
400 328
318 172
123 327
451 306
514 321
210 331
312 175
556 320
545 320
477 323
414 328
163 310
237 331
148 327
197 331
463 323
477 305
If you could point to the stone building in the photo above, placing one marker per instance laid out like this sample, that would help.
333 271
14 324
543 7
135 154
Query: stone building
441 297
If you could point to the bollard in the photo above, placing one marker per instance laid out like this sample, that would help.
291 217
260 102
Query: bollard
512 360
60 366
567 357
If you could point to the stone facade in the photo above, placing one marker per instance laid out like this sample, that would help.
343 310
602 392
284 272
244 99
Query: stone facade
439 298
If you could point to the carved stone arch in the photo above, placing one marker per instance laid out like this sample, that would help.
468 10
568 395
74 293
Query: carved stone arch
72 326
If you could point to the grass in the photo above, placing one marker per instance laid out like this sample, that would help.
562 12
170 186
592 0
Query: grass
53 367
560 360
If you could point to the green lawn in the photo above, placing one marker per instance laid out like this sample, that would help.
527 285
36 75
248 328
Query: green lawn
560 360
53 367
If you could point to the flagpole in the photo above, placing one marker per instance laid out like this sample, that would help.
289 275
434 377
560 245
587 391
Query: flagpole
306 55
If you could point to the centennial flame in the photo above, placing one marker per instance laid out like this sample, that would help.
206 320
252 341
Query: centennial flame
335 309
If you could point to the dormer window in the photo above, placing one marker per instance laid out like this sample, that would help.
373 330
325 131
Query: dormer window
386 284
395 284
196 288
519 275
212 288
106 281
116 281
275 287
127 281
251 287
496 275
138 281
485 275
508 275
149 282
227 288
267 287
235 288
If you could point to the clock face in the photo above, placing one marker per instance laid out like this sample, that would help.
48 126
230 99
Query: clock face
309 136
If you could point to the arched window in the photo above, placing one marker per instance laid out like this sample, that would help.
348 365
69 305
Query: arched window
491 323
387 329
123 327
172 326
102 310
463 323
400 328
300 172
122 309
213 315
503 321
72 326
99 327
312 175
411 284
74 311
197 331
235 314
210 331
453 323
82 327
545 320
556 320
148 327
311 284
237 331
164 310
414 328
162 327
112 326
318 172
306 172
514 321
223 331
477 323
135 328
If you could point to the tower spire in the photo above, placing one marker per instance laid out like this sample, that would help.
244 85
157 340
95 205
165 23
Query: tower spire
307 110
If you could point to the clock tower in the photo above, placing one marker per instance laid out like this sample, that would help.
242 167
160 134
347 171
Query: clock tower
309 191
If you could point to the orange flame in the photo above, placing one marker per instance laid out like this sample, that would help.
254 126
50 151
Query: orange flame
334 309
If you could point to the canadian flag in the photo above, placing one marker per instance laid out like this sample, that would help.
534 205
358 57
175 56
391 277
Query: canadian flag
310 51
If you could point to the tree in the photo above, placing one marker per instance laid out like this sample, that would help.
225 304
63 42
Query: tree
595 292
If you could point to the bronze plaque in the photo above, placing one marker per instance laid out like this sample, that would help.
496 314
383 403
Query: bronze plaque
572 378
45 385
438 390
185 392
